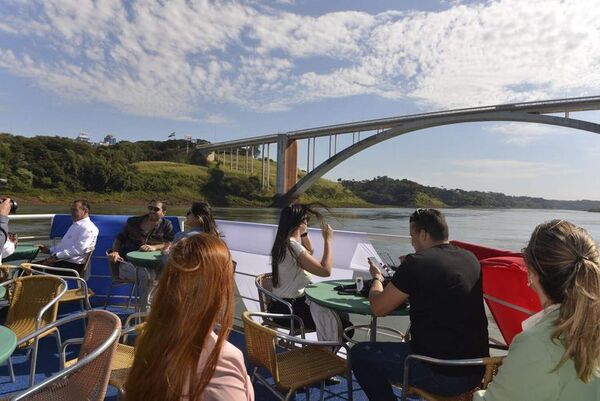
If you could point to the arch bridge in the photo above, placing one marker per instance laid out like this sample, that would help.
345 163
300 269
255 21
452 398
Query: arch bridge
288 187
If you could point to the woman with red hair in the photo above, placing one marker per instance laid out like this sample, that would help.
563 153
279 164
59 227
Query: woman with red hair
179 356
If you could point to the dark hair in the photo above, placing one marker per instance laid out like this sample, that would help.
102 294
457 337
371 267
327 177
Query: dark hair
289 220
84 203
432 221
565 258
163 204
203 211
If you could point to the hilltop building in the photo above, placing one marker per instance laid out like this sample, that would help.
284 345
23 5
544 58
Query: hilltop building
83 137
110 140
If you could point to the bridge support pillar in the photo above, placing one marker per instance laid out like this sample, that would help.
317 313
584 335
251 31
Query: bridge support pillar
287 163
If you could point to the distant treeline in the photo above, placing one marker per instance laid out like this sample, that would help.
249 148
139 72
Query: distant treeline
406 193
45 162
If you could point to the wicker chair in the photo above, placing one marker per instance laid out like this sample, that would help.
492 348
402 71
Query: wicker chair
291 369
88 378
82 293
122 360
491 368
34 304
264 284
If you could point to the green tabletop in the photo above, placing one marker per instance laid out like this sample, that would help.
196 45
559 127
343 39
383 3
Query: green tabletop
151 260
2 292
23 252
323 294
8 343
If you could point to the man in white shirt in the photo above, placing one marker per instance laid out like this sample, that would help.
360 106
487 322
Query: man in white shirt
79 239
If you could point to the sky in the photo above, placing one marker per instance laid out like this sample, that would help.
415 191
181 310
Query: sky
223 70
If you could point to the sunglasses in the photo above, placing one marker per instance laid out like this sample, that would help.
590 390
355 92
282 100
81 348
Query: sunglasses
153 209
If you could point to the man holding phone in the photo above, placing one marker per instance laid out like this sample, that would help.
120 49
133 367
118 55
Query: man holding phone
447 315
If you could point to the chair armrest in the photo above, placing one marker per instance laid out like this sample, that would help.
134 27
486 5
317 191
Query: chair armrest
54 300
43 268
129 328
81 283
58 323
63 349
296 340
136 315
292 317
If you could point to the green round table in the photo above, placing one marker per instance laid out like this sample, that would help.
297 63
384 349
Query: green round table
150 260
8 343
2 291
323 293
23 252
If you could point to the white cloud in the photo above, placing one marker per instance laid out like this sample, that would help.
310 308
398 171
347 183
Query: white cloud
508 169
217 119
168 59
526 133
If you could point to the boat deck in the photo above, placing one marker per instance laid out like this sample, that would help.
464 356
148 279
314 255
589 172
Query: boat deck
48 364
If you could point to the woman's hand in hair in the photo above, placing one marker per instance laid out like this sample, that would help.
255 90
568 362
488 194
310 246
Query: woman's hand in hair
327 232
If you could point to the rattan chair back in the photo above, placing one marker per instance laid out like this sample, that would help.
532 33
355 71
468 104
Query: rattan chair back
30 295
491 368
264 282
260 344
86 380
295 367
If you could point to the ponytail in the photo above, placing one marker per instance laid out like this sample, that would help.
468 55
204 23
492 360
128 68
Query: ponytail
579 321
566 260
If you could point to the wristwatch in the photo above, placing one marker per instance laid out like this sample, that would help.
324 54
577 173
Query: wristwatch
378 278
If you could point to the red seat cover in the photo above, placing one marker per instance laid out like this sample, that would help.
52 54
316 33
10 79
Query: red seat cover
505 281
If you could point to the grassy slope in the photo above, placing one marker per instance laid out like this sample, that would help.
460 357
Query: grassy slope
190 180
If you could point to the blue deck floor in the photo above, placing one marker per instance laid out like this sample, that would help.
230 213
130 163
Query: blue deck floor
48 364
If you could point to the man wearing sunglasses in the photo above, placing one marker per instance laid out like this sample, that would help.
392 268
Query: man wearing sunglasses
447 317
150 232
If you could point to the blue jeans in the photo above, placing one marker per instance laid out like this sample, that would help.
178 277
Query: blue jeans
377 365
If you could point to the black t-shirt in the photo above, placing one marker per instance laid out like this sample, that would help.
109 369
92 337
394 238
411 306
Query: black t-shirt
447 317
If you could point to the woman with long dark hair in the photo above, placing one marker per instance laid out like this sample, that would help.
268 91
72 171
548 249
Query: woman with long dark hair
199 219
180 356
557 356
293 265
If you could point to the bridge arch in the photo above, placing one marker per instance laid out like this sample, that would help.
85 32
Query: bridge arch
308 180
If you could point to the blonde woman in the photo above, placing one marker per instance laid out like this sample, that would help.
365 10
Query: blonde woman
557 356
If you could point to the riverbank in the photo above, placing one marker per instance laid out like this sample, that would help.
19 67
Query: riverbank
181 183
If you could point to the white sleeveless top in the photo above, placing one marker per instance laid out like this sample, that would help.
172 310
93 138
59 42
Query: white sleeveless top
292 278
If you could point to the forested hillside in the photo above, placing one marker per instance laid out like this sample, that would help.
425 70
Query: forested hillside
56 163
48 169
405 193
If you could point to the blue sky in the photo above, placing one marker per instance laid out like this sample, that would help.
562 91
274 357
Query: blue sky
227 70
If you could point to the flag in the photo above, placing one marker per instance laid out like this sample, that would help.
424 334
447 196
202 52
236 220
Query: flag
172 134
